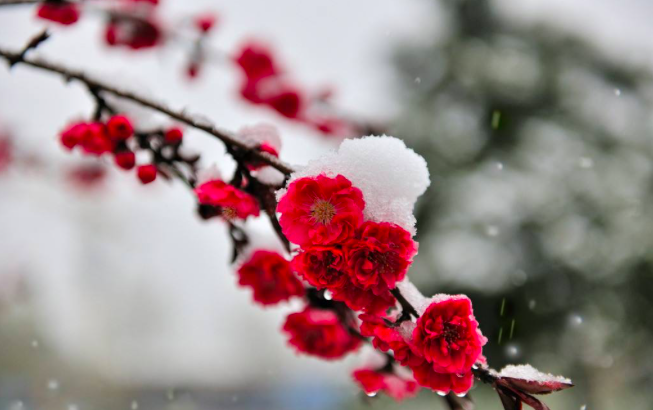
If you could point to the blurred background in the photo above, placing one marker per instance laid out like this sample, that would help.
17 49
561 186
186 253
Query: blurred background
534 117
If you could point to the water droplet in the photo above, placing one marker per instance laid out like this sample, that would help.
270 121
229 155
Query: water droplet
441 393
583 407
134 405
531 304
461 394
512 351
575 320
73 407
519 277
35 344
617 92
418 80
492 230
371 394
53 384
499 166
474 367
328 295
585 162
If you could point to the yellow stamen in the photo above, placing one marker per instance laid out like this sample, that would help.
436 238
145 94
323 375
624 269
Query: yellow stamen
323 211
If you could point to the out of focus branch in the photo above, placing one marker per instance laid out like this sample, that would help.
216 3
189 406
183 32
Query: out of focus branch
17 2
32 44
28 2
226 137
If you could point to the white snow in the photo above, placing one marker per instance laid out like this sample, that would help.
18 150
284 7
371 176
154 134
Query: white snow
208 174
270 176
413 295
260 133
528 372
390 175
418 300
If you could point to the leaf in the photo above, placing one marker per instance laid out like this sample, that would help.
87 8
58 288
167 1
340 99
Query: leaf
526 378
537 387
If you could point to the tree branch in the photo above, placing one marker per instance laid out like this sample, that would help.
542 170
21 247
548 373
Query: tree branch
405 304
28 2
226 137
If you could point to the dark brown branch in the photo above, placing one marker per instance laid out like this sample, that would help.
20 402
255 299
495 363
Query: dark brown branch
28 2
405 305
226 137
32 44
17 2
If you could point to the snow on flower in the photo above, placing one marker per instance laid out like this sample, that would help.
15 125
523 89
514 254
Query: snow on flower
270 277
372 381
266 137
390 176
527 378
360 261
319 332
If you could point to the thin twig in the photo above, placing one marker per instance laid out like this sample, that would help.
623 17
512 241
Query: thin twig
28 2
226 137
405 304
32 44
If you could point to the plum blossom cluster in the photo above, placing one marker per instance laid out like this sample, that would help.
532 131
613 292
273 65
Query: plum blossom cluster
137 25
265 83
440 347
117 138
353 252
132 24
358 261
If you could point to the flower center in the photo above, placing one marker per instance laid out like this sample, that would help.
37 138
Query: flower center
379 259
323 211
450 333
229 213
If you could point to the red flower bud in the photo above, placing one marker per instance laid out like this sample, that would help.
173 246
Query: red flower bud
60 12
174 135
146 173
72 135
125 159
119 128
205 22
